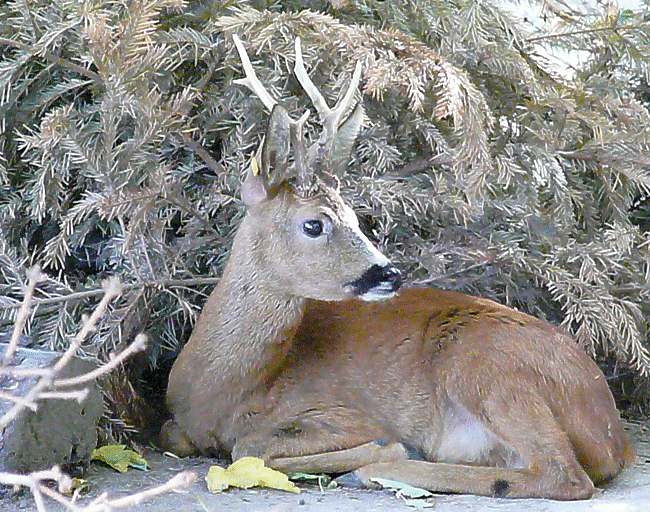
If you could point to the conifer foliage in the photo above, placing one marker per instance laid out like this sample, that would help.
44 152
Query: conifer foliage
481 167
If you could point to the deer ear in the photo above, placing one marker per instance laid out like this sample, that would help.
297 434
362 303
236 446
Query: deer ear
345 138
275 148
269 167
254 189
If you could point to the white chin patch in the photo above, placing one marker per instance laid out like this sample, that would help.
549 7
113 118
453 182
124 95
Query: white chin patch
377 295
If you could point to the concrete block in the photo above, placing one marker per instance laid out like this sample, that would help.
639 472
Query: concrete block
62 432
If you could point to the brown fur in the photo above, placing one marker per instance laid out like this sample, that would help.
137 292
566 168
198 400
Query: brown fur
284 363
270 373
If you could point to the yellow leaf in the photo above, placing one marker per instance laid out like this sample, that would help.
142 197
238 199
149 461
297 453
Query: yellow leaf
256 168
119 457
245 473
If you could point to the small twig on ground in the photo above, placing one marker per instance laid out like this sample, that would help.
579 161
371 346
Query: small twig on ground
180 481
34 481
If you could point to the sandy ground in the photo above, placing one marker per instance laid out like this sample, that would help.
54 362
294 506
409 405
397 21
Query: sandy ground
629 493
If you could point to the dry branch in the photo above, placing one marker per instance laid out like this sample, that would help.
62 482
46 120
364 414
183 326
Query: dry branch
45 389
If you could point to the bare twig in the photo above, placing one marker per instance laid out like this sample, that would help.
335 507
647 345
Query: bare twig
630 289
35 481
79 395
17 399
422 164
95 292
115 360
34 275
212 164
435 279
112 289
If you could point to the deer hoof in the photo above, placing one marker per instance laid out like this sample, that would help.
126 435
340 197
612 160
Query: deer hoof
174 440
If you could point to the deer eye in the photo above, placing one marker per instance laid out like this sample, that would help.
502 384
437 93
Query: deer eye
312 228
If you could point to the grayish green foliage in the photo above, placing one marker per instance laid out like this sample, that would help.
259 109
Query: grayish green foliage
479 168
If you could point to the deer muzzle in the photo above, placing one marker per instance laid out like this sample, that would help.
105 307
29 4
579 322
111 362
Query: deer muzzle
377 283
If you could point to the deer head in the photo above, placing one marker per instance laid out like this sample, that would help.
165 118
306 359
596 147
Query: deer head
308 238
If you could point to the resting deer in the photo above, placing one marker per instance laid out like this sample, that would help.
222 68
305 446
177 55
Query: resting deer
306 356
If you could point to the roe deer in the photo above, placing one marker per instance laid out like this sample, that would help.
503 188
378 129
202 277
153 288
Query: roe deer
434 388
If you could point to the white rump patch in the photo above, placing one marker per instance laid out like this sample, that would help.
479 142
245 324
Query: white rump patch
465 440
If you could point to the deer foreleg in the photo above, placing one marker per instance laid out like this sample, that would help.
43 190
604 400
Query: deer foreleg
342 461
479 480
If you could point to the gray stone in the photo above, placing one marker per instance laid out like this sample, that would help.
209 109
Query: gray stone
60 432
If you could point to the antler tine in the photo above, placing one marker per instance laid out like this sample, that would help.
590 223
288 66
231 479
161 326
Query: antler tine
329 116
251 81
345 102
310 88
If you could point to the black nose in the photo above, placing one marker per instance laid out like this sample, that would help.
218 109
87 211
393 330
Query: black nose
392 275
379 280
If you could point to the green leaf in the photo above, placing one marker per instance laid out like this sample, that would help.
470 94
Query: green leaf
409 494
245 473
119 457
321 479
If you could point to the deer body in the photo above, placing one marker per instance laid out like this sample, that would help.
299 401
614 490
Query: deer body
434 388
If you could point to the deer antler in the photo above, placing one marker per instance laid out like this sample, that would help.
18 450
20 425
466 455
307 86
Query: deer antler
331 118
251 81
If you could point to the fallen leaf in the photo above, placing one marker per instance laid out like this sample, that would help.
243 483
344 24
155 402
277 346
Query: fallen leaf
412 496
324 481
119 457
401 489
321 479
245 473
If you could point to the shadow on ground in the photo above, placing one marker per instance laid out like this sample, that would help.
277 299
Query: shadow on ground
629 493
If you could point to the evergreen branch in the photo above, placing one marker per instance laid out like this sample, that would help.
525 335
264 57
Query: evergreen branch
207 158
30 16
54 59
545 37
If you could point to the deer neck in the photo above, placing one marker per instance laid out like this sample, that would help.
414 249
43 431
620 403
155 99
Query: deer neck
248 324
